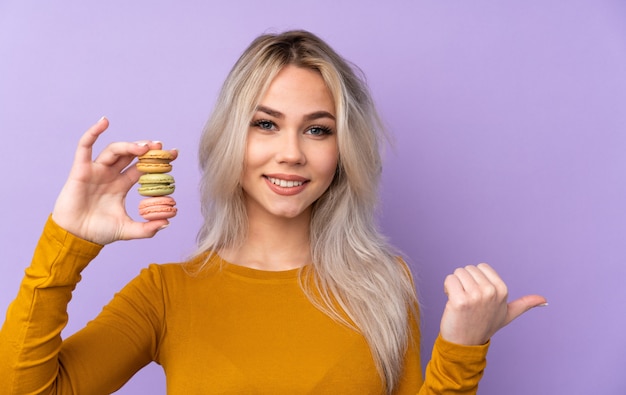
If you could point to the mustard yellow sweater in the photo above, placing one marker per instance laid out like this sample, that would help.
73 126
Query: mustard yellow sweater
231 331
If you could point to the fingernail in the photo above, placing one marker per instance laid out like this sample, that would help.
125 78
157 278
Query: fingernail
142 144
157 142
543 305
163 227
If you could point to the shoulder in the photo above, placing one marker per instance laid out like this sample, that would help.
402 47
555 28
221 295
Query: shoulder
165 274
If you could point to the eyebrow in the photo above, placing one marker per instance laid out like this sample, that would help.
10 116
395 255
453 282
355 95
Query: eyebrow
309 117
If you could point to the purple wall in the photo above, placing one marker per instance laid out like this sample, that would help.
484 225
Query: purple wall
510 128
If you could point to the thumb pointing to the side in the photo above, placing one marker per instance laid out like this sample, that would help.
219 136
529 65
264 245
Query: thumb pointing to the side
522 305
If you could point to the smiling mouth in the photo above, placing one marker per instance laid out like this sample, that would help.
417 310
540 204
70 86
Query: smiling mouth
284 183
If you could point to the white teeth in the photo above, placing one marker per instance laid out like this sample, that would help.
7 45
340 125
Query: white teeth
285 183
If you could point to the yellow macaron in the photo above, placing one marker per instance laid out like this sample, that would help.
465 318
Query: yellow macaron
155 161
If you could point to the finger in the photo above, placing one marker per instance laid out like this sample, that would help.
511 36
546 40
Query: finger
466 280
494 278
157 145
174 153
143 230
485 290
489 272
477 275
121 154
132 175
452 286
88 139
522 305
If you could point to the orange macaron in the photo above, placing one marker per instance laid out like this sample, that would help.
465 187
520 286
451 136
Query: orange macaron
161 207
155 161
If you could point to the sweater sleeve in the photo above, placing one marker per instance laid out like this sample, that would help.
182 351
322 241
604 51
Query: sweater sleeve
454 369
30 338
96 360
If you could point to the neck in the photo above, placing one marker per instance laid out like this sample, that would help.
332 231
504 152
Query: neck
274 244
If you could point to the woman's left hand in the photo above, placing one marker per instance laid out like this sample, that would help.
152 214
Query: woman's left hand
477 305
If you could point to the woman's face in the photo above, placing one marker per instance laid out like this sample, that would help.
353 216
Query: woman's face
291 152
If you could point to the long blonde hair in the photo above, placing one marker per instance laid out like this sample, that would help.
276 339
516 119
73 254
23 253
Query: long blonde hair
355 276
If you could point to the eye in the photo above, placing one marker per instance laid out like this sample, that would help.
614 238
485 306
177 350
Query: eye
319 131
264 124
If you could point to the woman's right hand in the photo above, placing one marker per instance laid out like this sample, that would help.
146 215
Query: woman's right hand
91 204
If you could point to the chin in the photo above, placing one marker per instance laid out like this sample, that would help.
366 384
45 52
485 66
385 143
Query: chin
290 213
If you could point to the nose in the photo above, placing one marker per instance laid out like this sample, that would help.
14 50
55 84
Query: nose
291 150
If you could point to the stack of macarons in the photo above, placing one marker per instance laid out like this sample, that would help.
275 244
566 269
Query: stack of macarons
156 184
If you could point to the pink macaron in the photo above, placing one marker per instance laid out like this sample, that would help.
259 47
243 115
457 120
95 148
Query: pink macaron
161 207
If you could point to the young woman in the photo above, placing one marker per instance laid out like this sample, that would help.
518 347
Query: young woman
292 289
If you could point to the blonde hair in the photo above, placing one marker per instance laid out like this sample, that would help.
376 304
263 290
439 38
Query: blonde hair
356 277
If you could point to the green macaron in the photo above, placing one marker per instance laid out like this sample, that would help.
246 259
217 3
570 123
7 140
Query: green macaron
156 184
